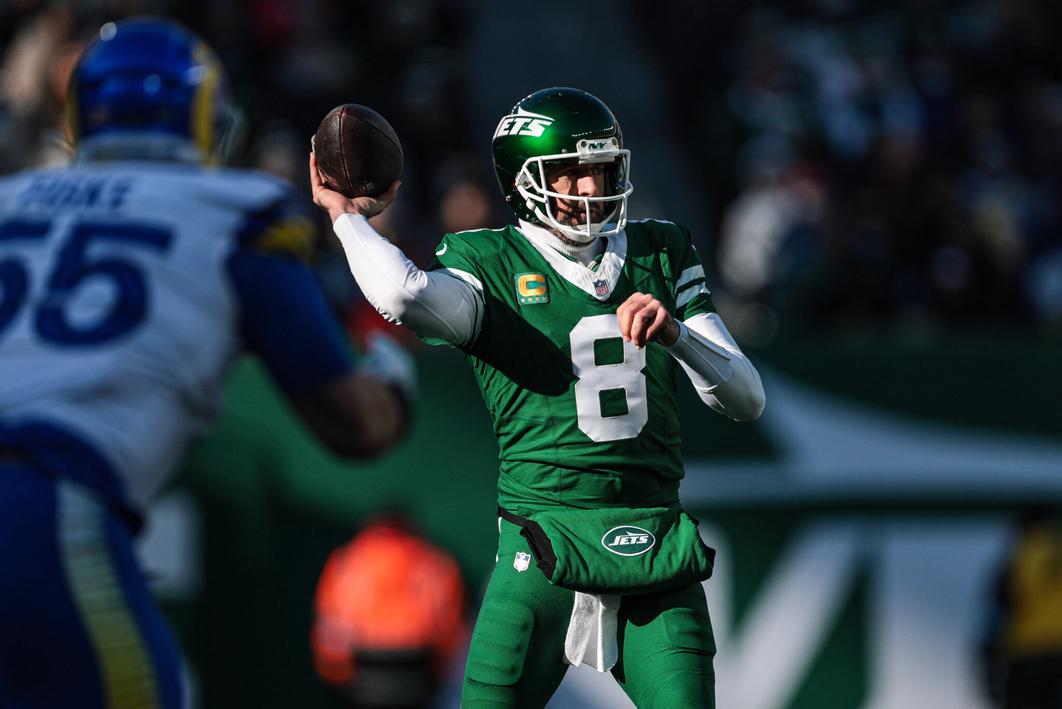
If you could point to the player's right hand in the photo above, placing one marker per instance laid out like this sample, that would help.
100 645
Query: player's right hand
337 204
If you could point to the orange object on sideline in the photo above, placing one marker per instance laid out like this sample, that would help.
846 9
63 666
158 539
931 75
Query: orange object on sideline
386 590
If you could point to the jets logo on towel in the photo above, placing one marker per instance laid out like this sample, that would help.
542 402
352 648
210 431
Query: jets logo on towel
522 561
628 541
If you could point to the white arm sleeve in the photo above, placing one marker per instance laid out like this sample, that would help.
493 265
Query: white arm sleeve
446 304
721 373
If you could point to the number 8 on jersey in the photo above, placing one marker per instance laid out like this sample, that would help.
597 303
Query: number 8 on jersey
610 396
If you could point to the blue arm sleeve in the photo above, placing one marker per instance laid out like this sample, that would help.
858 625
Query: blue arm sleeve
286 321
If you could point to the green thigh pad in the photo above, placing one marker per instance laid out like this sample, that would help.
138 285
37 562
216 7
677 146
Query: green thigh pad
516 657
666 649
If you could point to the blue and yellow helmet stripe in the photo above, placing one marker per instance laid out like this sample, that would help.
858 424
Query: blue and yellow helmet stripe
149 76
205 102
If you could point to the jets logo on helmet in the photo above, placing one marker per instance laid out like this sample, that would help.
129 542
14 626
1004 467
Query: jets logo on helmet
551 127
523 123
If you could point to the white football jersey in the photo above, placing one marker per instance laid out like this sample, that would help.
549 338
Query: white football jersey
118 318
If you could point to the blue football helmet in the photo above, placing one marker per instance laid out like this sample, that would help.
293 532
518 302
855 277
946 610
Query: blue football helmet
150 87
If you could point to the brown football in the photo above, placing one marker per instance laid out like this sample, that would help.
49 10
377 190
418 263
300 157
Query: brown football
358 152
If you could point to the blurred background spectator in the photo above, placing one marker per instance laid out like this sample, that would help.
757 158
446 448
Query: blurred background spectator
876 162
1022 649
389 617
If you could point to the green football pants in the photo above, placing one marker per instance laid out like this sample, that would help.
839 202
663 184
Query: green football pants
516 658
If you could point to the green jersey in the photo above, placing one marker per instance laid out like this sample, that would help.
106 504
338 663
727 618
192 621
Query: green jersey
583 419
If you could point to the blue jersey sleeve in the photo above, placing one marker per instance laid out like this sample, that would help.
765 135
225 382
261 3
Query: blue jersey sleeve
285 320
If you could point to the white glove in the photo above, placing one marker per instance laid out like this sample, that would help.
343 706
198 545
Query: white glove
389 362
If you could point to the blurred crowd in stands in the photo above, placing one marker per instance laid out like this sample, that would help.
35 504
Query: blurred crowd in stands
864 161
890 162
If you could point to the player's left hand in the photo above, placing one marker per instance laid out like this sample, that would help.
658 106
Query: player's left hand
643 319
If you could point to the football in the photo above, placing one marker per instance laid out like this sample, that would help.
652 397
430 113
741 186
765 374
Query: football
358 152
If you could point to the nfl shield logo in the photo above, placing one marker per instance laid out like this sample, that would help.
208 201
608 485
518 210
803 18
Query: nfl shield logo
522 561
601 287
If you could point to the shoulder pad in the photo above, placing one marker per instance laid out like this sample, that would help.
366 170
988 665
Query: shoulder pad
667 235
473 243
283 226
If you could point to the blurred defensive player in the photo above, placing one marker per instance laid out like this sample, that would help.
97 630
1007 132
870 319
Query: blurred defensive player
576 323
129 282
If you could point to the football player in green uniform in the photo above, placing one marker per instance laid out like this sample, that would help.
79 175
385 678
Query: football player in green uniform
577 324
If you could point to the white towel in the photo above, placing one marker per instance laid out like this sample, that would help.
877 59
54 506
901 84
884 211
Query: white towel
591 638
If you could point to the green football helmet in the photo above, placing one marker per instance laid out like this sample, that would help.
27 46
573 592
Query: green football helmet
561 125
